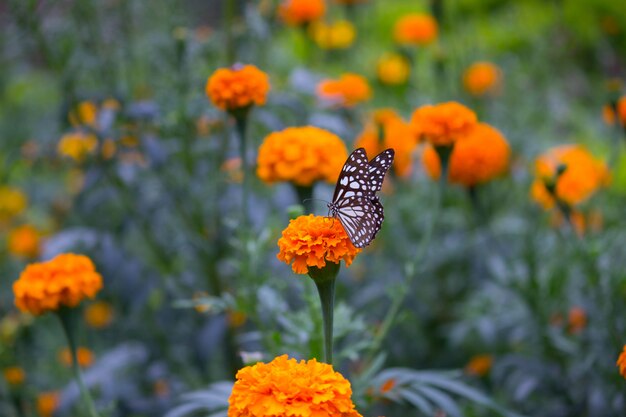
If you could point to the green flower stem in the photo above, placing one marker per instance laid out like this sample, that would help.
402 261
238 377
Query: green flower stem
65 316
241 123
305 193
229 17
324 279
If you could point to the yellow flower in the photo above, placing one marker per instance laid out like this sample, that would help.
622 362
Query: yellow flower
621 362
479 365
388 130
442 124
85 114
77 145
301 155
84 356
24 241
238 87
14 375
98 314
348 91
288 388
314 240
12 202
478 157
336 35
301 12
47 403
393 69
63 281
416 29
482 78
583 175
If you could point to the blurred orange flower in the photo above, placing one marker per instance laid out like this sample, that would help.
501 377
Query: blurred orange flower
442 124
393 69
312 241
301 155
47 403
233 170
14 375
479 156
388 130
238 87
416 29
236 318
336 35
479 365
84 356
608 112
85 114
77 145
482 78
577 319
98 314
583 175
63 281
349 90
301 12
24 241
621 362
387 386
12 202
287 388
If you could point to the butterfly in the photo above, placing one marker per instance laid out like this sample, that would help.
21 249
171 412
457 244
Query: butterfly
355 202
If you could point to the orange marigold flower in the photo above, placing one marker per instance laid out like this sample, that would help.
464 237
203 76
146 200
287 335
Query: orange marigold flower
479 365
478 157
301 12
335 35
416 29
287 388
481 78
24 241
314 240
63 281
621 362
47 403
442 124
348 91
388 130
301 155
583 175
12 202
608 112
84 356
577 319
99 314
238 87
77 145
393 69
14 375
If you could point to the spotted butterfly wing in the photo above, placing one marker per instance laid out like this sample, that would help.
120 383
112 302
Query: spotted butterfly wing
355 202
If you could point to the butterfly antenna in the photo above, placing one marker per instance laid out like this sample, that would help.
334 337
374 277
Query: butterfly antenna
314 199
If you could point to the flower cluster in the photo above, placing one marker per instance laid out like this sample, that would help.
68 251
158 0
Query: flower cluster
479 156
301 12
442 124
335 35
569 173
238 87
63 281
287 388
482 78
388 130
416 29
77 145
301 155
347 91
314 240
24 241
393 69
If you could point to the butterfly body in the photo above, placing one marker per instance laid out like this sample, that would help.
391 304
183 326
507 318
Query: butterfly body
355 202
